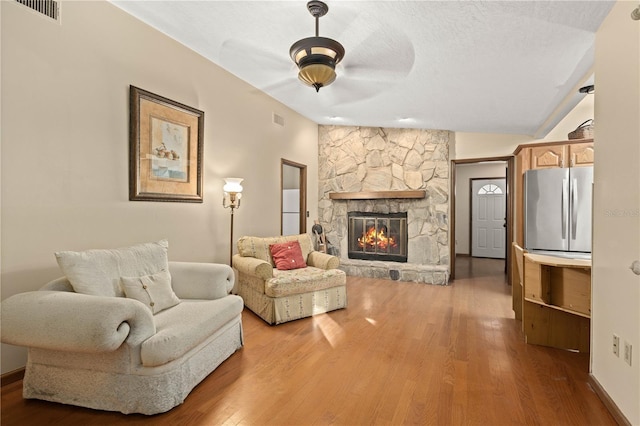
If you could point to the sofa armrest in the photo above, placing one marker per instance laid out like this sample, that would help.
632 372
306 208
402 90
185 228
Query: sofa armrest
253 266
74 322
323 260
192 280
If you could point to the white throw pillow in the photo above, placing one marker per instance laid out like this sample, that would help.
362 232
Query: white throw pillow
153 290
98 272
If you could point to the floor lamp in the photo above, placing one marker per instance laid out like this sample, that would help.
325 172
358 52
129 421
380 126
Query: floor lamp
231 199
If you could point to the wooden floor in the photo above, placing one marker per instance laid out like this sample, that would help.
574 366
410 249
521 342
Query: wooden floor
401 353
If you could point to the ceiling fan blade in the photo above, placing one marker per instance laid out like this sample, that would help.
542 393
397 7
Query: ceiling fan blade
374 49
274 88
377 57
234 51
345 91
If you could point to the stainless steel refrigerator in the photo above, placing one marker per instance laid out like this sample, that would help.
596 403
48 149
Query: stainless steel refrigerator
558 209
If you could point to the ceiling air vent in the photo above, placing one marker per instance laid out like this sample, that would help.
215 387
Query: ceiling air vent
46 7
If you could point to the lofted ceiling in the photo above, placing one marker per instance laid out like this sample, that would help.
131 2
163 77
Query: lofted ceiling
471 66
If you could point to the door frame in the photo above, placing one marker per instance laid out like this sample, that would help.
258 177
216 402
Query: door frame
452 222
303 193
471 212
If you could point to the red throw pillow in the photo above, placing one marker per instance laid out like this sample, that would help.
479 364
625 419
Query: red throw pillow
287 255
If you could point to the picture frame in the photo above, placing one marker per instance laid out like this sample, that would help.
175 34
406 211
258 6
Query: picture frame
166 149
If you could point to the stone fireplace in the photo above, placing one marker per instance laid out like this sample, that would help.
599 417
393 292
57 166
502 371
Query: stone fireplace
384 171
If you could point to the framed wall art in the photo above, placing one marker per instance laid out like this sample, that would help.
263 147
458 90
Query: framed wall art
166 144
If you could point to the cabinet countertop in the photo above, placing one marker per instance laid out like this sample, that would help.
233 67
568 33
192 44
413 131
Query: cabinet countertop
558 261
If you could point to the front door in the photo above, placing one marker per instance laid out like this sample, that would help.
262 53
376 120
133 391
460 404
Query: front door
488 218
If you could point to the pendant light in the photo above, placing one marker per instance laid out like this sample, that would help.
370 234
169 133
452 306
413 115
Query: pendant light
316 57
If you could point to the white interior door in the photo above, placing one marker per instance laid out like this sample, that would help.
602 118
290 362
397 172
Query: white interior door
488 217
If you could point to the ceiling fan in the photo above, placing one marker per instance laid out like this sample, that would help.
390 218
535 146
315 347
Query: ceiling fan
378 56
317 57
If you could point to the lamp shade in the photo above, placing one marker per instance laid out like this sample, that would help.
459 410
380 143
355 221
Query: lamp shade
233 185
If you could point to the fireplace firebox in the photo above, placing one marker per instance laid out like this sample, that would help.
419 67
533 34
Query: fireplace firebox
377 236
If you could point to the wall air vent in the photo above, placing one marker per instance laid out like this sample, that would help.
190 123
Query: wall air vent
278 119
46 7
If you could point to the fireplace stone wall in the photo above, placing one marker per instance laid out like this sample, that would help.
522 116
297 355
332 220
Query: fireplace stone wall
357 159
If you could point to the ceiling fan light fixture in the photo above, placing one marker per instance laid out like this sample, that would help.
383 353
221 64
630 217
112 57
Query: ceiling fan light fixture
317 75
317 57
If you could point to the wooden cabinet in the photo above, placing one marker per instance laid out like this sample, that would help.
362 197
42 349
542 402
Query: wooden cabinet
554 301
581 154
545 157
562 155
557 302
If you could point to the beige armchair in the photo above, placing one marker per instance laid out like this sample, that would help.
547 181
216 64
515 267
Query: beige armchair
279 296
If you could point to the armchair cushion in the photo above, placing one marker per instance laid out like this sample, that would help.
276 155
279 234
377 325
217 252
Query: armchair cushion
298 281
153 290
287 255
185 326
98 272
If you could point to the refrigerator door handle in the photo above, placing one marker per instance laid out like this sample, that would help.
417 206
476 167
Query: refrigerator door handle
565 202
574 209
565 206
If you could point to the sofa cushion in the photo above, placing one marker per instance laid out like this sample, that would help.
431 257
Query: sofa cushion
185 326
287 255
153 290
258 247
98 272
297 281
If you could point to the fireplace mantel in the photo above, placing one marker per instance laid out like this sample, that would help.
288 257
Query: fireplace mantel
376 195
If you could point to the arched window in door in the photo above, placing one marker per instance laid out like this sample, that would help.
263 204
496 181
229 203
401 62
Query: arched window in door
490 189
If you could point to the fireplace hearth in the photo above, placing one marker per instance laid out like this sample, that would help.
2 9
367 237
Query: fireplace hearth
377 236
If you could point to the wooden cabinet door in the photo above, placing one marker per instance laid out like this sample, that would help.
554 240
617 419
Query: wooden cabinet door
546 157
581 154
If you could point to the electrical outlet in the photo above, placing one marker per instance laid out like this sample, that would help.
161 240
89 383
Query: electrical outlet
616 345
627 352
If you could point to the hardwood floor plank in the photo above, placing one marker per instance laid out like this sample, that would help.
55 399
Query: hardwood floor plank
401 353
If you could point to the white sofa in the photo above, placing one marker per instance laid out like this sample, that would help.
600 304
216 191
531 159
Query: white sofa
112 352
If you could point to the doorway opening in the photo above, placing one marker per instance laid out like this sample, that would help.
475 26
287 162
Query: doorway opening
293 197
462 172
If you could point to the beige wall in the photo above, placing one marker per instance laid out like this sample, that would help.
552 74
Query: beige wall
582 112
485 145
65 144
464 174
616 209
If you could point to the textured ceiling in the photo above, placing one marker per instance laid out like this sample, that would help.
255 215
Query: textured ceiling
473 66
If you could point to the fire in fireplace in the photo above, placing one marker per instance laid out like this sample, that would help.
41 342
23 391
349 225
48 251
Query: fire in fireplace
377 236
